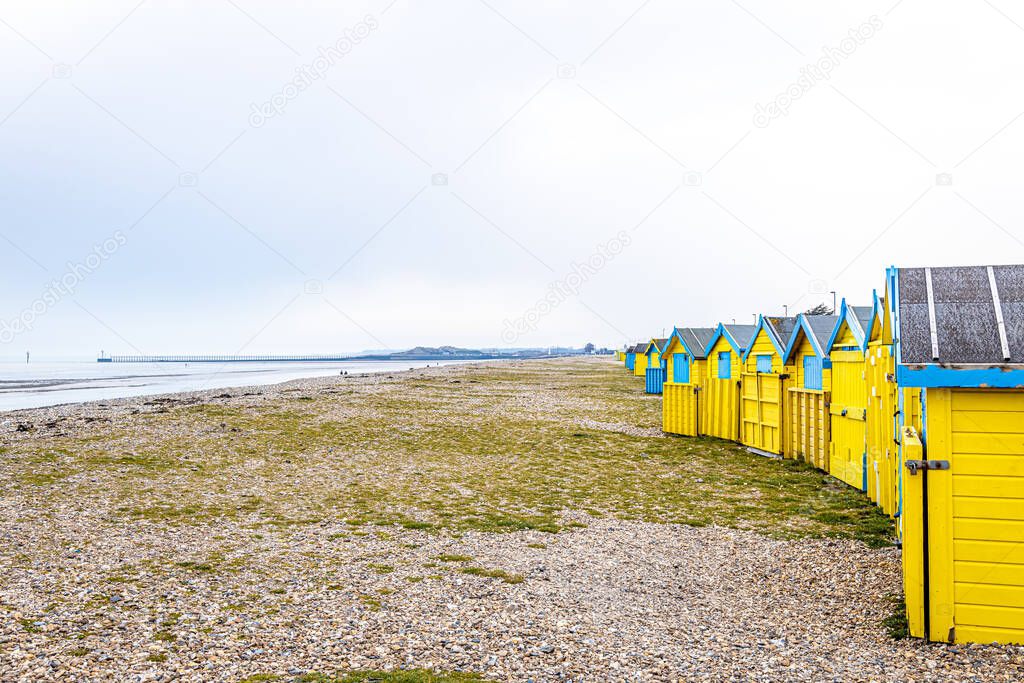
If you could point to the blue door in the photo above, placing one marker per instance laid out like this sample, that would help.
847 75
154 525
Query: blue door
681 369
812 373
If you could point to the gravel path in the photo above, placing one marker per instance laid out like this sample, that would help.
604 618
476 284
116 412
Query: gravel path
614 600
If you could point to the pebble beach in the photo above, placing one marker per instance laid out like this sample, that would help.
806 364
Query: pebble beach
514 521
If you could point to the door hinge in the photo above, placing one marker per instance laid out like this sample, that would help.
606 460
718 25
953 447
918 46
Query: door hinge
914 466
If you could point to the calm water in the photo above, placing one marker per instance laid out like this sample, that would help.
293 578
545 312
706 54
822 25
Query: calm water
37 384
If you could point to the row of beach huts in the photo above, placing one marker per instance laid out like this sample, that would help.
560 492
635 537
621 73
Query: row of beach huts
916 398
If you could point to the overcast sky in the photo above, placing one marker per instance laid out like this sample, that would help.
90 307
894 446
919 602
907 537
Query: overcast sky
254 176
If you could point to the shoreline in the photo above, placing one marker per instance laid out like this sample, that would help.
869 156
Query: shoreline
63 408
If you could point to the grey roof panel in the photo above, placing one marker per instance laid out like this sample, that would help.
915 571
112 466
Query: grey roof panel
782 326
863 316
966 328
741 333
697 339
821 327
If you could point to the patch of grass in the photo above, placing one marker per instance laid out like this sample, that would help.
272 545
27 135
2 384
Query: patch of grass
79 652
164 636
453 558
493 574
381 568
371 602
896 624
29 626
538 546
377 455
260 678
202 567
157 657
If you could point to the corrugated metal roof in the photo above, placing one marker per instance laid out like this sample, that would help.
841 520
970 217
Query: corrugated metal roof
697 339
958 320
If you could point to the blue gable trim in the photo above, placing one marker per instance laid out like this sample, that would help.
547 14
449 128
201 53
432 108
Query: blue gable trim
720 332
876 316
802 326
938 376
893 302
762 324
846 316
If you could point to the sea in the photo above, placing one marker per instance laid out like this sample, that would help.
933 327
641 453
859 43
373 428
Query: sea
49 383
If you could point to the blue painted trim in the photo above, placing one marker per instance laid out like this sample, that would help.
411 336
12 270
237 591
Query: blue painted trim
814 371
893 302
846 316
720 332
864 470
802 326
876 315
686 347
938 376
727 365
762 324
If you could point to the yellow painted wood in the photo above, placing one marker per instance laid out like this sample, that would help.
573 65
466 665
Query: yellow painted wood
640 367
975 634
880 405
762 398
848 412
940 516
913 537
975 517
983 572
679 409
720 412
807 426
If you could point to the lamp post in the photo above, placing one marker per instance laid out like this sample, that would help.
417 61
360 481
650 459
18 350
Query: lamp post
833 302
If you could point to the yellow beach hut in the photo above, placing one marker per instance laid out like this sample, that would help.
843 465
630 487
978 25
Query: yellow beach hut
848 458
807 420
959 338
889 407
721 410
640 364
764 380
685 370
655 373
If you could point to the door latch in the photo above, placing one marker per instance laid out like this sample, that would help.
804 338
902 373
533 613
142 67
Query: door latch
915 466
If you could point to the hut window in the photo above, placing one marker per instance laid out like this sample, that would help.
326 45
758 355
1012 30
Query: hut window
812 372
764 363
724 364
